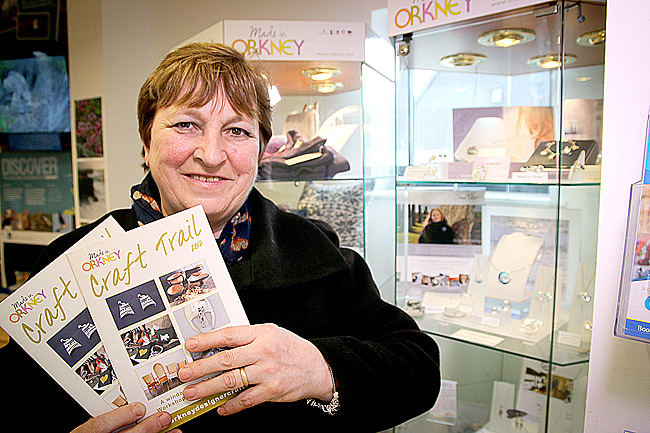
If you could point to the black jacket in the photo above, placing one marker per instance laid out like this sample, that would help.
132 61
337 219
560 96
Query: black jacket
296 276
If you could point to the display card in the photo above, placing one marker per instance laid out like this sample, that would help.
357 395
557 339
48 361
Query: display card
150 289
48 317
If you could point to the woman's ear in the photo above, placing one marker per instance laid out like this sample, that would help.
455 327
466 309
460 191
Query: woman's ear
145 155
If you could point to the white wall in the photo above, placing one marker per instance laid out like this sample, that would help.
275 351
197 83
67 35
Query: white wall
135 35
619 374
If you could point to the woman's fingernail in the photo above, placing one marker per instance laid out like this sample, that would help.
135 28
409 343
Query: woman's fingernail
191 344
184 374
189 393
164 419
138 409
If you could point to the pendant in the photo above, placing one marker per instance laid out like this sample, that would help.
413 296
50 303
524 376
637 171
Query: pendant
479 279
504 277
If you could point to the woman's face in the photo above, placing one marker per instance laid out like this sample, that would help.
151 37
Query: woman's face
436 216
206 155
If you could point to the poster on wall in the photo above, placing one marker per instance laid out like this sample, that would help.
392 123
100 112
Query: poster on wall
34 96
88 127
36 191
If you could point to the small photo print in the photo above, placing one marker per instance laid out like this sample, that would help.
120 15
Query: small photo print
91 187
97 371
203 315
161 376
76 339
135 305
147 341
187 283
88 114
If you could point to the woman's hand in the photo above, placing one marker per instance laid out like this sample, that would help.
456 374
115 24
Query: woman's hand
279 365
125 416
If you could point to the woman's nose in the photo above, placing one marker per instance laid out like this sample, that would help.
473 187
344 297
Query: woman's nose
210 150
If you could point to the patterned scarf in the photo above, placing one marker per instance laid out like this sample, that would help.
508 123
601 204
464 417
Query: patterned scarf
233 239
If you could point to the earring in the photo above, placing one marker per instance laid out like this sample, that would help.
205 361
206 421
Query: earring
70 344
125 309
88 329
146 301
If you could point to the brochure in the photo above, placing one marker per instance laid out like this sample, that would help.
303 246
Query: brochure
150 289
48 317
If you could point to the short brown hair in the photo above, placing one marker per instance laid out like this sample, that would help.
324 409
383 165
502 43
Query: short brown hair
193 74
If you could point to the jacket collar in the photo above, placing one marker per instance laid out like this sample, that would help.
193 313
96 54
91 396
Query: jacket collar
285 249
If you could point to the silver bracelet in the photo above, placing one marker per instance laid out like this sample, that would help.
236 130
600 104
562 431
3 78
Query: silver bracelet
334 404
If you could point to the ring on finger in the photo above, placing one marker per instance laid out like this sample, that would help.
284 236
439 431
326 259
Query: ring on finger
244 376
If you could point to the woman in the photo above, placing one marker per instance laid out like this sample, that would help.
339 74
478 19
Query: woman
324 351
436 230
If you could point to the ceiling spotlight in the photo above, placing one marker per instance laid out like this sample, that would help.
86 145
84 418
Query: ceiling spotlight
592 39
321 73
462 59
552 61
505 38
327 87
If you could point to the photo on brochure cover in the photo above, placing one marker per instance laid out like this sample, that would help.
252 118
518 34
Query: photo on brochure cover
97 371
149 340
134 305
201 315
76 339
161 376
186 283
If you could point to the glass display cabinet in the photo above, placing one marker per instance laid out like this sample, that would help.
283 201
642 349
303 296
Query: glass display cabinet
498 169
332 155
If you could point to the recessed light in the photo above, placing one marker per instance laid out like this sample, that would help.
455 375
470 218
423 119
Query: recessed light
552 61
326 87
592 39
462 59
321 73
505 38
583 79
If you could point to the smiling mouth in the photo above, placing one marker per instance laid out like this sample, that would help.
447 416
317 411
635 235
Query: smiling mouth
206 178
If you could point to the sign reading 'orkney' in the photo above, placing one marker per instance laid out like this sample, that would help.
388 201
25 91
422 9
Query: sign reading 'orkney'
405 16
289 40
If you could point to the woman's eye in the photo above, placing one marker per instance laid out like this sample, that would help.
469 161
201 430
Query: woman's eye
239 132
183 125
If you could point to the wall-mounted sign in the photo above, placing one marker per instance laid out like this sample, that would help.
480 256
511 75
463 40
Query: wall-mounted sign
289 40
405 16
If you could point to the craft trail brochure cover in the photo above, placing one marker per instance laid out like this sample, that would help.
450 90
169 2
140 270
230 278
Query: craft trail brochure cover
48 317
150 289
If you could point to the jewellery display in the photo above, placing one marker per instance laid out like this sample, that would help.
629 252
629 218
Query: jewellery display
504 274
530 326
532 168
569 151
543 296
414 308
479 173
480 276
